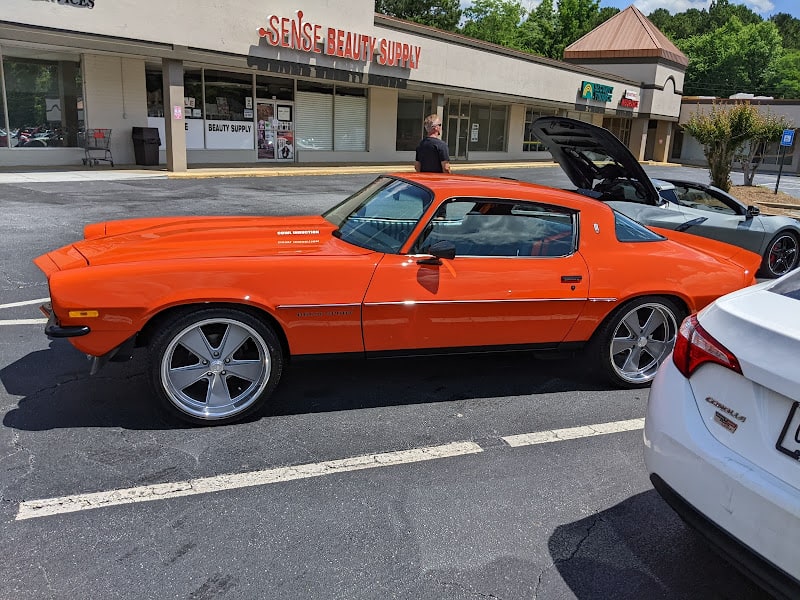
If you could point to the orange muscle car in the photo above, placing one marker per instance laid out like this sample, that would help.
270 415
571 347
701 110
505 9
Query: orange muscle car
412 263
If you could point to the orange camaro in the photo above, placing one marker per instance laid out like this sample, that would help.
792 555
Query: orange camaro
412 263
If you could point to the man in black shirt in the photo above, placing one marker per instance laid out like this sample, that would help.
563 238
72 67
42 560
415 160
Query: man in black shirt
432 153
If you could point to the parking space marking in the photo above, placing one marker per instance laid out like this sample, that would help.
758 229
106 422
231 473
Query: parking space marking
46 507
571 433
25 303
23 322
206 485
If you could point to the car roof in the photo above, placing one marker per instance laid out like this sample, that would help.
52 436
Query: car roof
447 185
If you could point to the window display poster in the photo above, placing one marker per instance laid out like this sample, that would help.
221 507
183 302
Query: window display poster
285 145
229 135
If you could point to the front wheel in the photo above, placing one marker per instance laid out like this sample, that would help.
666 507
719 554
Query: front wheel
215 365
636 339
781 255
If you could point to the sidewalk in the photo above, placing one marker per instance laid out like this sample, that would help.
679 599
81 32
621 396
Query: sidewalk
58 174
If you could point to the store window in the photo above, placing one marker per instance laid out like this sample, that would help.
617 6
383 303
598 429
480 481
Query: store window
620 127
350 119
487 127
530 143
330 117
193 109
155 92
314 121
44 96
275 88
411 113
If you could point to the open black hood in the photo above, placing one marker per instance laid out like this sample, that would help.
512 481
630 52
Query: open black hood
595 160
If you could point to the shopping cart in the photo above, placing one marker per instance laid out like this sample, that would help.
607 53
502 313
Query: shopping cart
96 145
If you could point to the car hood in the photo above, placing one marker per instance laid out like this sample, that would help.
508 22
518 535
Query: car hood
589 154
171 238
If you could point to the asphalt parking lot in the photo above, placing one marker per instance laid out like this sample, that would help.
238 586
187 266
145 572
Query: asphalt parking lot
463 478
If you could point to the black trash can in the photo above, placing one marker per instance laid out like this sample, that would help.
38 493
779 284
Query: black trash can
145 145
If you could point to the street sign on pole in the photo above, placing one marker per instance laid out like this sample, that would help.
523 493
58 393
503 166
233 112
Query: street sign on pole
787 139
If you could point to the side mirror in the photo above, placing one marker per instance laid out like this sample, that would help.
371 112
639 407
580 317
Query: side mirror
753 211
438 251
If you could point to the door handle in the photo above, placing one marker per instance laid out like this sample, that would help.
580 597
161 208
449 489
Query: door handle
571 278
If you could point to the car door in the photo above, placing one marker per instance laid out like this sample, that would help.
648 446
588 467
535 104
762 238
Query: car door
517 279
719 218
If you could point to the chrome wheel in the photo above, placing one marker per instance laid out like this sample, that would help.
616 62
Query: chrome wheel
781 256
215 365
641 337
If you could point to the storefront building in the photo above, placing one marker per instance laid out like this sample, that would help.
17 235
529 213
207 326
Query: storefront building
228 81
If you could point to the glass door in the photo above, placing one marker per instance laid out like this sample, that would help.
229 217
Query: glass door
275 130
457 132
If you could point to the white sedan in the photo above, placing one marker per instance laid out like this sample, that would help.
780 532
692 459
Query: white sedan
722 431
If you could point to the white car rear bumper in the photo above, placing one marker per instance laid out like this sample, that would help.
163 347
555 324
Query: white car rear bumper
749 514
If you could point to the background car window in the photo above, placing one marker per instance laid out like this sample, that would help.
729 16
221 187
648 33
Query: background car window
502 228
702 200
628 230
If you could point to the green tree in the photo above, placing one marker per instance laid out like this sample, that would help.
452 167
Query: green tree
766 128
574 19
783 76
537 32
722 11
442 14
495 21
722 131
734 58
789 28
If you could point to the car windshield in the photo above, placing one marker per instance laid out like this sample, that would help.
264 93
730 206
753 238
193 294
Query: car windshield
382 215
788 286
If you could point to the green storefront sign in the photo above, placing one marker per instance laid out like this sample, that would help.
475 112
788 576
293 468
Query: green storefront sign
596 91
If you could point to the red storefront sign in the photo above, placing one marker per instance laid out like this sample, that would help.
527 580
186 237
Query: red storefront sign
297 34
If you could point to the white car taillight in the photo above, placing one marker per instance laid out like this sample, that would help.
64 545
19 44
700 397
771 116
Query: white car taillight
694 346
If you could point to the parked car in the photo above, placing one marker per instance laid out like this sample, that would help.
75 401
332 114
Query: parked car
722 430
412 263
601 166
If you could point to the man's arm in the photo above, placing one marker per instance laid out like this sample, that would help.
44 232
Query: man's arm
417 166
445 166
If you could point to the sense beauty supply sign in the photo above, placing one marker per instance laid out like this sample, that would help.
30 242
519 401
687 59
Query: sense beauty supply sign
299 34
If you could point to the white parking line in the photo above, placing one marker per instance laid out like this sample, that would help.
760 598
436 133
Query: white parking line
206 485
32 509
571 433
23 322
25 303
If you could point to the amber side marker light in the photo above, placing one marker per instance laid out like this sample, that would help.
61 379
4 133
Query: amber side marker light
82 314
694 347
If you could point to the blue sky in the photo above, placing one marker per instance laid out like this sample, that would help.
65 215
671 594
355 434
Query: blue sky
765 8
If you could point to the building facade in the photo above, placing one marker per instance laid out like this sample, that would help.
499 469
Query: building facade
229 81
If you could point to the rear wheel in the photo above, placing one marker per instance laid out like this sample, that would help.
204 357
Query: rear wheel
215 365
781 255
636 339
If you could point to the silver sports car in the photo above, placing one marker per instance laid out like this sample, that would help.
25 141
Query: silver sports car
601 166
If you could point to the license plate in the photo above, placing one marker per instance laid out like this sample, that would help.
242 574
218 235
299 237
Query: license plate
789 440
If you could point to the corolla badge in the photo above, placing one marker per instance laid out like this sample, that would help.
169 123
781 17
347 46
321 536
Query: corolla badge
729 421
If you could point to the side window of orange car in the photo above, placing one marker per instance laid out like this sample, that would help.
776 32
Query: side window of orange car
479 227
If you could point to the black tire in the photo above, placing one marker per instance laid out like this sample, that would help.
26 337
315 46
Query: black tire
781 255
635 339
231 370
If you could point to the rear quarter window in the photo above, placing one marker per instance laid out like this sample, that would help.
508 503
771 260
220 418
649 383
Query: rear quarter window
628 230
